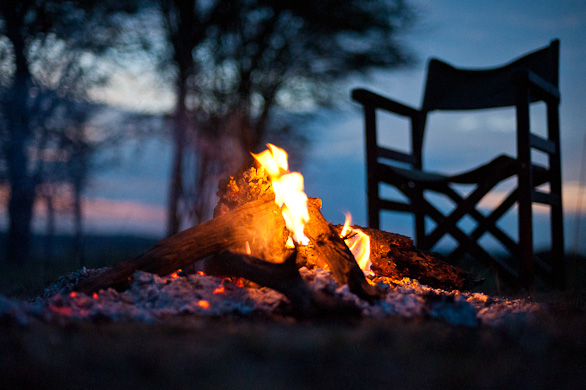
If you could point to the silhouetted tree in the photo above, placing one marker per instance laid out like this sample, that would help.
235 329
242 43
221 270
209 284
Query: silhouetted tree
235 63
50 61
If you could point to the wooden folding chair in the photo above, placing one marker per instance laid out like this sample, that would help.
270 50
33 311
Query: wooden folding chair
529 79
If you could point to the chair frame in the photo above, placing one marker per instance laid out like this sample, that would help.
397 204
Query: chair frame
529 88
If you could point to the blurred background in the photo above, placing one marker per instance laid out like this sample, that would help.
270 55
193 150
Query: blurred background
118 118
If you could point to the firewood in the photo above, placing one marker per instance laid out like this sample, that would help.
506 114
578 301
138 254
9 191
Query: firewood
257 223
394 256
253 183
336 254
231 231
284 278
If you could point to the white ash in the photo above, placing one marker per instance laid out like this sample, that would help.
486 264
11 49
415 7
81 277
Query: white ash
153 298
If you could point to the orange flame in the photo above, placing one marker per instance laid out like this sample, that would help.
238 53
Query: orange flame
288 188
359 244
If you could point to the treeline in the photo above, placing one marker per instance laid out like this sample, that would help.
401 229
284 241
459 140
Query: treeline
238 71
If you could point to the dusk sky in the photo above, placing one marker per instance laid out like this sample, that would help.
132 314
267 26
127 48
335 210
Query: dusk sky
132 198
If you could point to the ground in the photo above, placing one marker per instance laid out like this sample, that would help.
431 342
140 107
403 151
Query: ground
546 352
239 353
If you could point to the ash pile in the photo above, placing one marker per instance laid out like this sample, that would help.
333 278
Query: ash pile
152 299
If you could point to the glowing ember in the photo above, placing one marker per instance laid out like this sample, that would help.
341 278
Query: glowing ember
219 290
175 274
64 311
73 294
288 188
359 244
201 273
95 296
203 304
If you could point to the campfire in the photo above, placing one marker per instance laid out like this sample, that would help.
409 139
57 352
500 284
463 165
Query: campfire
265 228
269 250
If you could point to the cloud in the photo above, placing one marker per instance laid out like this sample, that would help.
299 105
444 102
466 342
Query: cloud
122 210
102 215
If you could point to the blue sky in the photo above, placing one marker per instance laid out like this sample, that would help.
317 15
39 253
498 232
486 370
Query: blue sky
132 198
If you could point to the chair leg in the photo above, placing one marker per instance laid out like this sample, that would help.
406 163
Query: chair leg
525 189
419 217
471 246
373 211
488 224
371 168
558 259
556 214
464 207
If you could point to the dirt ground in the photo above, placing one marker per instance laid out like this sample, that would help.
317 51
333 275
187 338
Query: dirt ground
260 354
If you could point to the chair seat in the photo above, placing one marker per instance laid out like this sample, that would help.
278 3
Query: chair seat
498 169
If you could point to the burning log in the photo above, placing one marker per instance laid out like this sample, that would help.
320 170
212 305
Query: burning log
326 244
393 255
336 254
229 231
224 235
258 222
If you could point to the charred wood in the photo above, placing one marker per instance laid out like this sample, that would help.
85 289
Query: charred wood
393 255
284 278
334 252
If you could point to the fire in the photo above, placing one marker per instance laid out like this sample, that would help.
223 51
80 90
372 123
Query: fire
289 195
288 188
359 244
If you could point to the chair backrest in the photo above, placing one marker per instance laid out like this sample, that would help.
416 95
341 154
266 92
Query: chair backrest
449 88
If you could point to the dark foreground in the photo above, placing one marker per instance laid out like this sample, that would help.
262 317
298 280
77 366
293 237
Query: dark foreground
238 353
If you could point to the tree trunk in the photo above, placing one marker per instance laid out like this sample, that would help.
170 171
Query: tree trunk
78 252
179 137
22 186
20 212
50 227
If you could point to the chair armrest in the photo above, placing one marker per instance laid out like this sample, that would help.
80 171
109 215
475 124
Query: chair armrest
370 99
544 88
